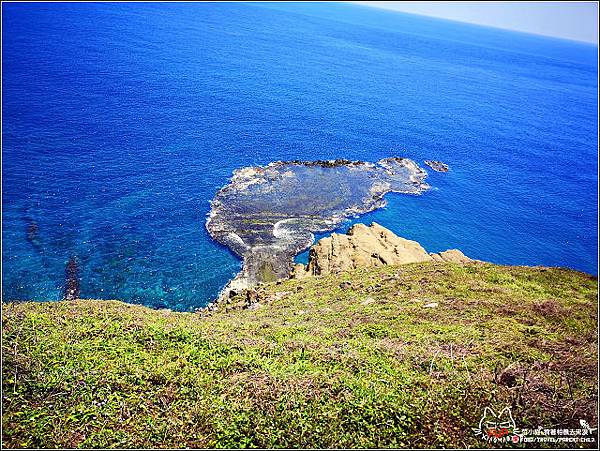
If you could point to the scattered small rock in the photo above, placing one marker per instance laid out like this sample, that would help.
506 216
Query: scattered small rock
210 307
368 301
437 166
278 295
251 296
431 305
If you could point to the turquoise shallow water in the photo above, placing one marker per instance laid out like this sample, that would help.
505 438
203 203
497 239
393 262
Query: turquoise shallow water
121 121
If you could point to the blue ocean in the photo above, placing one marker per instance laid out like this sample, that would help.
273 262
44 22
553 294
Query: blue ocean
121 121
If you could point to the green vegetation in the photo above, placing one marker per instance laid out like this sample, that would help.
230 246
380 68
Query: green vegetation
350 360
266 272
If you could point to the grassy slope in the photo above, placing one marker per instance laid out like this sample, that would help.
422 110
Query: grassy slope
348 360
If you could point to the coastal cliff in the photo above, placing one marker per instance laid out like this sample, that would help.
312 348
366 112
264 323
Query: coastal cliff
380 356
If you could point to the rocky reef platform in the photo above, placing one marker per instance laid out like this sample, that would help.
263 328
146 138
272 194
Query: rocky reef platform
267 215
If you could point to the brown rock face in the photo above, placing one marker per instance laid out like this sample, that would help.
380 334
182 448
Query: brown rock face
452 256
364 247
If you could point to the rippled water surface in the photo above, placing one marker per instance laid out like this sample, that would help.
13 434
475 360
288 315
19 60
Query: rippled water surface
121 122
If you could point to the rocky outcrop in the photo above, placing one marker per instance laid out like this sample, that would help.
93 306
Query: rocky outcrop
437 166
451 256
364 247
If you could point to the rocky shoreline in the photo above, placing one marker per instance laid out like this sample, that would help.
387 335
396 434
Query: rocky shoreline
361 247
267 215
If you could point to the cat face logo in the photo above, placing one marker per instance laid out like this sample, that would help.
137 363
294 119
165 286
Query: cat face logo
497 428
586 427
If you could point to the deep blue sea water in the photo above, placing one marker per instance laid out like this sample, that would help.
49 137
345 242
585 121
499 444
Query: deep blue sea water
121 121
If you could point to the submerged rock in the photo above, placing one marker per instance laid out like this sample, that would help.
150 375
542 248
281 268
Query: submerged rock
267 215
437 165
33 235
72 290
364 247
32 232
